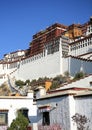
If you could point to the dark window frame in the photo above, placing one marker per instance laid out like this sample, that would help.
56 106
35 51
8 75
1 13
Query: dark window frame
3 115
46 119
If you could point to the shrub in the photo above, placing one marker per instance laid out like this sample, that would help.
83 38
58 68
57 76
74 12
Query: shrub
19 83
20 123
79 75
80 121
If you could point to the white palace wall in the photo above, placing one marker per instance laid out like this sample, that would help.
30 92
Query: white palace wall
77 65
45 66
74 65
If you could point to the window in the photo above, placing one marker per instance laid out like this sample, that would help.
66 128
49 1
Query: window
46 118
3 117
24 111
83 45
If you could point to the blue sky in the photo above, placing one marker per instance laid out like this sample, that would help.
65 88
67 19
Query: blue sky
21 19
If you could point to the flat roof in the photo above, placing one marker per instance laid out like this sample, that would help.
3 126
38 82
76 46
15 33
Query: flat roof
86 93
75 93
14 97
57 94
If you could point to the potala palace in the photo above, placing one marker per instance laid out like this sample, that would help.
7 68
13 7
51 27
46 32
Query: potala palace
53 51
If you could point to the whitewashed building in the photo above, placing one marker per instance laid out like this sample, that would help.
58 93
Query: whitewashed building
9 106
56 109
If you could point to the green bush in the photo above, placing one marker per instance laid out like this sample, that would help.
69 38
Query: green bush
19 83
20 123
54 85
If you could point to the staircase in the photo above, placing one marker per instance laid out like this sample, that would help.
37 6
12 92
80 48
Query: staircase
11 84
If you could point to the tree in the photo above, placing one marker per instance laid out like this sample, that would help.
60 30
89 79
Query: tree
80 121
20 123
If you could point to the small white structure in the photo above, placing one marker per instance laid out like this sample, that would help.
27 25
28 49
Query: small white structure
9 105
14 55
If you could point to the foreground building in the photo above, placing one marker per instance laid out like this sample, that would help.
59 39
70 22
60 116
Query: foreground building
56 109
9 106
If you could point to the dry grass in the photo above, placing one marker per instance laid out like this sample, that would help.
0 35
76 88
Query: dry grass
4 90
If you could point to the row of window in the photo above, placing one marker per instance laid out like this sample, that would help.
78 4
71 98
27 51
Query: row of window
90 28
17 64
80 45
51 49
33 58
65 49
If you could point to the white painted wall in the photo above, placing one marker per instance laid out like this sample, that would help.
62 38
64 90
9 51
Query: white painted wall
65 65
48 66
60 114
83 106
74 65
72 110
67 107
